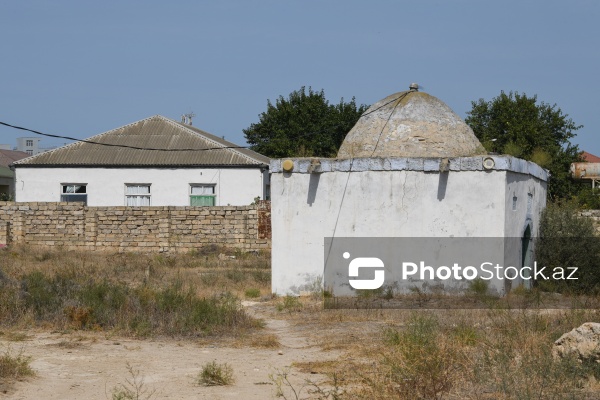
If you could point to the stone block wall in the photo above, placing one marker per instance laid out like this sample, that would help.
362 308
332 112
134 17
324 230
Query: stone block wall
144 229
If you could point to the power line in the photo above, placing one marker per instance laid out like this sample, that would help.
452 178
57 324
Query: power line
116 145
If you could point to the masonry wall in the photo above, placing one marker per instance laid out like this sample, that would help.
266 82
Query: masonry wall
144 229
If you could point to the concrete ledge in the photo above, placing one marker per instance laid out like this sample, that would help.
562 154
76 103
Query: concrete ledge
501 163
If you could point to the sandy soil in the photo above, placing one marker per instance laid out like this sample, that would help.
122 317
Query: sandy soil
70 368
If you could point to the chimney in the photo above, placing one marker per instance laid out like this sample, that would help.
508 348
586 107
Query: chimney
187 118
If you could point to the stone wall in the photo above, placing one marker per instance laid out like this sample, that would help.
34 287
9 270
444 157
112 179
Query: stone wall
145 229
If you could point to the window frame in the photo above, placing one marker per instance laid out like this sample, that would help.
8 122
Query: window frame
131 195
68 197
213 196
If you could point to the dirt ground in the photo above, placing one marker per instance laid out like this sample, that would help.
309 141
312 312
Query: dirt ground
84 365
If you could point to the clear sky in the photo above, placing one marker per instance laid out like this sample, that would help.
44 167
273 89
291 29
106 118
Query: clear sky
79 68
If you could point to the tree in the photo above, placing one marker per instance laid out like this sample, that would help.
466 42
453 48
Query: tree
303 125
517 125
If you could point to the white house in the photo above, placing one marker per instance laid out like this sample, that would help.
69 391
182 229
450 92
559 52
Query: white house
410 176
155 161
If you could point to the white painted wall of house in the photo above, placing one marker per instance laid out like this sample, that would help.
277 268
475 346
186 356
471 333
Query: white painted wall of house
169 187
306 208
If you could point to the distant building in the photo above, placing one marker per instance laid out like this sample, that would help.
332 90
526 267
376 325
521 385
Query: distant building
7 177
187 167
29 145
589 157
588 170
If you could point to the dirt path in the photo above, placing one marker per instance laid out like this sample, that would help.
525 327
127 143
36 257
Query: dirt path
92 368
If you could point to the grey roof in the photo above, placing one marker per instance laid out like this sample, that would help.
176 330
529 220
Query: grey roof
156 132
7 157
410 124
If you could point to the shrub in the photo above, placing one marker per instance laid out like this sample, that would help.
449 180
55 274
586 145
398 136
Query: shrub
133 388
568 240
420 363
289 303
252 293
14 367
215 374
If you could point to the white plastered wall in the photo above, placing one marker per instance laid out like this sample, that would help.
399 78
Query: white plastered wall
467 201
169 187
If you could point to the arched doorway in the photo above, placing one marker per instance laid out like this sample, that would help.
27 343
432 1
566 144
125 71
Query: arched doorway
526 257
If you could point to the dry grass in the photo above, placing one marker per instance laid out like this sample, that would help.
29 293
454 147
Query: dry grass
265 341
385 353
192 294
448 354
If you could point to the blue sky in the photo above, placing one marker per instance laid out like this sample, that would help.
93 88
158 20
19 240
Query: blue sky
80 68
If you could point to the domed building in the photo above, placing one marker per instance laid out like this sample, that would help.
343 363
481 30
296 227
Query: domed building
410 124
411 187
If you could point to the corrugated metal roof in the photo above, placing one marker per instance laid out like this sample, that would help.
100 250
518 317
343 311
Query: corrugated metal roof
156 132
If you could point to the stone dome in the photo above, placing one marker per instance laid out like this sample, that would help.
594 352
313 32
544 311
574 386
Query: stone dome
410 124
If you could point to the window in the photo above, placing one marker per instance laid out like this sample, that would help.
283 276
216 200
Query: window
74 192
202 195
29 143
137 194
30 152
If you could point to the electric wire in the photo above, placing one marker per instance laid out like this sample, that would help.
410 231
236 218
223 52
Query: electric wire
388 120
399 98
118 145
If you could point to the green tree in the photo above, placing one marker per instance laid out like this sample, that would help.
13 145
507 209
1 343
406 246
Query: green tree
520 126
303 125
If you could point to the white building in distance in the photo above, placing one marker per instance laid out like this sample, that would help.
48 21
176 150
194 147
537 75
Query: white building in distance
155 161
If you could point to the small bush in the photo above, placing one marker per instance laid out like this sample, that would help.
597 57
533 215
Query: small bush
236 275
215 374
134 387
289 303
252 293
478 287
261 276
421 363
567 239
14 367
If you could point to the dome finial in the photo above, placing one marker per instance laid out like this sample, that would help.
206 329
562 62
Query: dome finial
414 87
